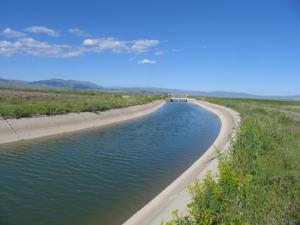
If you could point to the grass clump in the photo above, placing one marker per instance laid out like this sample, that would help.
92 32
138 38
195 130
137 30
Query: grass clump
259 182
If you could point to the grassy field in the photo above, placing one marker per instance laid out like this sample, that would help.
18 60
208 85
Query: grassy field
259 182
18 103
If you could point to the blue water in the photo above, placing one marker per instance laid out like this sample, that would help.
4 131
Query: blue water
101 176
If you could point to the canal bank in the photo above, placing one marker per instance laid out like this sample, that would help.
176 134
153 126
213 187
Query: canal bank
12 130
175 196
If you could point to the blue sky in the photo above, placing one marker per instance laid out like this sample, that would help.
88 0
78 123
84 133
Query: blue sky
230 45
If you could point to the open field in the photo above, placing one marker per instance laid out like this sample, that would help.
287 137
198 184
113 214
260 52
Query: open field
259 182
288 107
19 103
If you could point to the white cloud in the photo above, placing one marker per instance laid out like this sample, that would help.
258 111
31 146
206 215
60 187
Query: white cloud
12 33
104 44
146 61
8 48
115 45
73 53
143 45
24 44
78 32
90 42
30 46
42 30
38 48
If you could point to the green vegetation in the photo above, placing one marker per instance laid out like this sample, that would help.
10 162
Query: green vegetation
259 182
18 103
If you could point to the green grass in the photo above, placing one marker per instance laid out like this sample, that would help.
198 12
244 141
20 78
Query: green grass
259 182
243 105
18 103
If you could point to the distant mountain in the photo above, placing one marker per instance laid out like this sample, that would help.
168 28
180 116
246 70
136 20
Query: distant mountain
52 84
67 84
85 86
13 83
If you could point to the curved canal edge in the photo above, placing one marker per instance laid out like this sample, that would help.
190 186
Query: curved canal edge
175 196
13 130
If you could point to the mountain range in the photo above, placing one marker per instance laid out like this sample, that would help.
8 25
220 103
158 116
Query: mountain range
89 86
